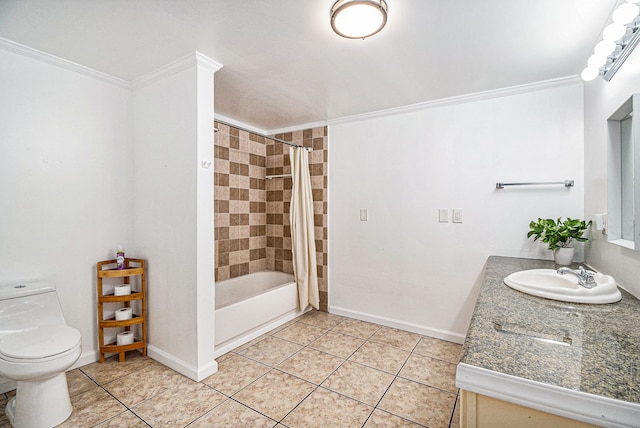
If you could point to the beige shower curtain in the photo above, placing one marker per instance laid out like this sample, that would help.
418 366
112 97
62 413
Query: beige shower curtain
302 230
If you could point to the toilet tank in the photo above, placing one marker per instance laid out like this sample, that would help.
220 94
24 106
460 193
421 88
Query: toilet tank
28 305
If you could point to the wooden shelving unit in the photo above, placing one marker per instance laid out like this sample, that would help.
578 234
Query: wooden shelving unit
133 268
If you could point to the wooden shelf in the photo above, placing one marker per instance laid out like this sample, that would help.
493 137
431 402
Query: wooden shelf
113 323
110 298
134 268
116 273
112 347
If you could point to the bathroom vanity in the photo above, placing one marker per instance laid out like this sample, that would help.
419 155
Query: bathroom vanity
531 362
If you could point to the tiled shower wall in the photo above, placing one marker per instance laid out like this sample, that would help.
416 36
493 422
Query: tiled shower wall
252 230
239 203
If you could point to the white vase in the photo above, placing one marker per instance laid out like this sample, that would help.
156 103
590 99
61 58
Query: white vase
563 256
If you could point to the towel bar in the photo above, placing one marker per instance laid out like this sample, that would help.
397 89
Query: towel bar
566 183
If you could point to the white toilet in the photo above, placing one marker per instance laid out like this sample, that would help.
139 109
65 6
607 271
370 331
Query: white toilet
36 347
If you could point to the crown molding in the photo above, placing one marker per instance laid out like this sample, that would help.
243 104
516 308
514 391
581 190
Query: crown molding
189 60
462 99
268 132
297 127
207 62
26 51
183 63
239 124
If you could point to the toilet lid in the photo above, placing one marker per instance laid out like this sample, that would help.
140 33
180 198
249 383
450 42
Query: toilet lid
40 342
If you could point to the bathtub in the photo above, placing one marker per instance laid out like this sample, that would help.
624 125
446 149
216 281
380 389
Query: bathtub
250 305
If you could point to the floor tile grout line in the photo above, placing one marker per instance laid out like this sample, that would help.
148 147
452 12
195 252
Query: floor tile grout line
227 398
429 385
140 417
453 412
125 406
387 390
346 396
255 410
252 382
231 397
298 405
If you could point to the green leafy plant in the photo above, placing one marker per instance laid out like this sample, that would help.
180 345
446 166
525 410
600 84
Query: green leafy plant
558 234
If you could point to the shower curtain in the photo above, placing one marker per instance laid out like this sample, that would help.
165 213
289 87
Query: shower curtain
302 230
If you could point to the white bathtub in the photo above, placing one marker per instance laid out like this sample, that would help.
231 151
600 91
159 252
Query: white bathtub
251 305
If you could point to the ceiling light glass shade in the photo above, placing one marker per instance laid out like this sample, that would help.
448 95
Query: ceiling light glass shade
614 32
357 19
596 60
605 47
589 73
625 13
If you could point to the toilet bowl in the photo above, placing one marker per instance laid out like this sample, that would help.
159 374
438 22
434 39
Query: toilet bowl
36 348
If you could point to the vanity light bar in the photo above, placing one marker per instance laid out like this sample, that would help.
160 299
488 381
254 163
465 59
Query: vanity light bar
626 51
619 38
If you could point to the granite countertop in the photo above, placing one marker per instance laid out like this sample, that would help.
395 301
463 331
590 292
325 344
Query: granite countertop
577 350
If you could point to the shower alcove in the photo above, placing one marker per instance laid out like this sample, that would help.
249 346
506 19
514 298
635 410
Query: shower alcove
252 232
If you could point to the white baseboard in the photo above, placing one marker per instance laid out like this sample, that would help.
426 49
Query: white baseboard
399 324
182 367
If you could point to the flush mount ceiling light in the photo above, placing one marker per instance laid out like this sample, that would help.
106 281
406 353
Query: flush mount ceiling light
358 19
618 40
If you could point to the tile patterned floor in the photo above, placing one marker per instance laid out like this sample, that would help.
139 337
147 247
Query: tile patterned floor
319 370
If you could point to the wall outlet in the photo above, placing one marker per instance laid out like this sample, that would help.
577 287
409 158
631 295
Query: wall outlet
443 215
364 214
457 216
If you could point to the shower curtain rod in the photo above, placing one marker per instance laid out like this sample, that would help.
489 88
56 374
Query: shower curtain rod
309 149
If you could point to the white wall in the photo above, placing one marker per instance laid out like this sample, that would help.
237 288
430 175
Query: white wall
65 174
404 268
173 210
602 99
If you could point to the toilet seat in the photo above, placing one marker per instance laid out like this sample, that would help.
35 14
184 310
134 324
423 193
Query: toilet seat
40 344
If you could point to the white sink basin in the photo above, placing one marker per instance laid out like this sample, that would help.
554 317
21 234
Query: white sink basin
549 284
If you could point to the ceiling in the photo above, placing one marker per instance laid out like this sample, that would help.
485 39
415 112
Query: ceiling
284 67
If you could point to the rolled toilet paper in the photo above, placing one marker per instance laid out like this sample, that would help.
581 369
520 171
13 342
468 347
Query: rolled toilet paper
124 314
124 338
122 290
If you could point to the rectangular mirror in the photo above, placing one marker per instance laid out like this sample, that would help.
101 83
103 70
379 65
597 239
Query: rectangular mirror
623 169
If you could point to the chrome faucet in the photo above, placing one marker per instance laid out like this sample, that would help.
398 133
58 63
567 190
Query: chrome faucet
585 277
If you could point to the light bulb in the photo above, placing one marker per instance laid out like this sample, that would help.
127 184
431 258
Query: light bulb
596 61
625 13
605 47
613 32
589 74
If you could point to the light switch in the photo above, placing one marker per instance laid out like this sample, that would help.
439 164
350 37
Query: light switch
364 214
457 216
443 215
